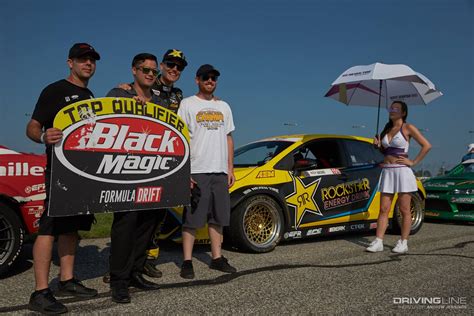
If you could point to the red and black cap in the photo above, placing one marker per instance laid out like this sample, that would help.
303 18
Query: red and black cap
82 49
207 69
175 55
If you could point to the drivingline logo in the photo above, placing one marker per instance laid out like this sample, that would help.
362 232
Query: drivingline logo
123 149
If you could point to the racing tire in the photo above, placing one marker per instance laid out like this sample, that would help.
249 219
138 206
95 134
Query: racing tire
256 224
12 236
417 215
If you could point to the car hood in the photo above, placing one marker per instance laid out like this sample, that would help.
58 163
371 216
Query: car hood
450 182
241 173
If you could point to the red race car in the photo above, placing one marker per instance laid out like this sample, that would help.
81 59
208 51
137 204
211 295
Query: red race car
22 192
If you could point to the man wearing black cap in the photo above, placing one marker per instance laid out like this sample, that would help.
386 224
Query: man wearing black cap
172 65
210 125
82 64
170 97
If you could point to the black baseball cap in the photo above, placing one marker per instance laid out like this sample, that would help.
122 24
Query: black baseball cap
81 49
207 69
175 55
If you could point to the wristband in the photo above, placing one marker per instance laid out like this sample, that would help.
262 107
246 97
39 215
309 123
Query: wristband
42 137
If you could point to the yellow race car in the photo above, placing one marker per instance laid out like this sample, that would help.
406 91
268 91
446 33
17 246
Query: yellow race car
299 186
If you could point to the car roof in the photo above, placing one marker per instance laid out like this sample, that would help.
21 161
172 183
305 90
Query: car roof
307 137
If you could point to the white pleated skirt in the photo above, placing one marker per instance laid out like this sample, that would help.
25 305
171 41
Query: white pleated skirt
396 178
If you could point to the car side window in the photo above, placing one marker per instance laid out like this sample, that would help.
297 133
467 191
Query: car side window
327 153
362 153
321 153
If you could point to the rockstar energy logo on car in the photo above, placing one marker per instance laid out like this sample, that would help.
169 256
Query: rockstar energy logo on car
117 140
302 199
210 119
345 193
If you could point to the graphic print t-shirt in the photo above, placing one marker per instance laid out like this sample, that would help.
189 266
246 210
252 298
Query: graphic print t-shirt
209 123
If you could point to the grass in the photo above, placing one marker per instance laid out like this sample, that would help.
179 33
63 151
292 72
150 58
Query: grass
100 229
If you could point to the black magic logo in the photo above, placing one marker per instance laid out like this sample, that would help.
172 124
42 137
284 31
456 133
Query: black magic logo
123 149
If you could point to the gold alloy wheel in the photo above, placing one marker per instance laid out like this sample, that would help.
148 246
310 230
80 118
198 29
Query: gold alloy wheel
262 222
416 210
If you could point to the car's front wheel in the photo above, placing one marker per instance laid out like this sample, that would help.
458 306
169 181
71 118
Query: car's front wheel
256 224
417 209
11 237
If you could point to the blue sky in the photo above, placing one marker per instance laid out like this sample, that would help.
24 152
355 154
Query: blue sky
277 59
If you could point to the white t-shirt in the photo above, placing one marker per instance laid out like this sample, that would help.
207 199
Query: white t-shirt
209 123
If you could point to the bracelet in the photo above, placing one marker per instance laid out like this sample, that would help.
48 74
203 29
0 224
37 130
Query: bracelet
42 137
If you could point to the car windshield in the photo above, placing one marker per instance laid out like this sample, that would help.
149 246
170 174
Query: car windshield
463 168
257 154
468 168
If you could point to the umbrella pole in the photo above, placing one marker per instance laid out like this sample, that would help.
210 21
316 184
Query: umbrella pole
378 110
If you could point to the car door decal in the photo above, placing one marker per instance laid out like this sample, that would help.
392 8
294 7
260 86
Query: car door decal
302 199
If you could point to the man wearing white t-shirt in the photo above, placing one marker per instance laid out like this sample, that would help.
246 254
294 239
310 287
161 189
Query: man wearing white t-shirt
210 126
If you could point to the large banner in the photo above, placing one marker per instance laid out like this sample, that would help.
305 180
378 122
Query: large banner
118 155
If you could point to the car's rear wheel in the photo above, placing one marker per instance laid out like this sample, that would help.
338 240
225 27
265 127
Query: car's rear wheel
257 224
417 209
11 237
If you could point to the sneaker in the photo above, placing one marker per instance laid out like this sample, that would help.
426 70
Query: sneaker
222 264
151 270
74 288
44 302
375 246
401 246
187 271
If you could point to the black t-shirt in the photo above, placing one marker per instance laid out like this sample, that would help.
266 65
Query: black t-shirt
52 99
55 97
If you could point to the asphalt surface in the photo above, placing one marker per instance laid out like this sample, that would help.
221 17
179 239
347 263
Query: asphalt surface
321 276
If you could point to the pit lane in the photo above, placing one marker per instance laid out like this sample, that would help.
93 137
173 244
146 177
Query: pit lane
321 276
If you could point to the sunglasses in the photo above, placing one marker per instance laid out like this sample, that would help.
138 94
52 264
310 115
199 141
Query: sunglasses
207 77
171 65
147 70
393 110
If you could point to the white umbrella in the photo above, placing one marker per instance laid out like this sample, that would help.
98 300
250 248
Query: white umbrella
381 84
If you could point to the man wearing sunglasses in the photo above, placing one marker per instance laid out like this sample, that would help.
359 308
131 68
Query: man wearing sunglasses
172 65
132 230
82 64
168 96
210 125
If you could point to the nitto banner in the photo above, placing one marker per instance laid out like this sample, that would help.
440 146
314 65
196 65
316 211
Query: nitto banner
118 155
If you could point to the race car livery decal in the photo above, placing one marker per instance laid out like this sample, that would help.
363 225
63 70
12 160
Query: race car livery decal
302 199
345 193
128 155
266 174
321 172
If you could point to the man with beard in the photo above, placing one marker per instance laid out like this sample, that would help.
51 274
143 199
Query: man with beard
210 125
82 64
131 230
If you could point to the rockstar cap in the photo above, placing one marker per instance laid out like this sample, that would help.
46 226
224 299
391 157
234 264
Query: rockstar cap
175 55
